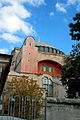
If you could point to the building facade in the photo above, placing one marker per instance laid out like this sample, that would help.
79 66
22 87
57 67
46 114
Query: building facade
39 59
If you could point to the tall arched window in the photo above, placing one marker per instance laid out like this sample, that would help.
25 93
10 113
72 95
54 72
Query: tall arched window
42 68
48 85
47 67
52 69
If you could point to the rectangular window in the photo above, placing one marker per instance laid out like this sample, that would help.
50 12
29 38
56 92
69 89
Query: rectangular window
42 68
46 87
58 51
41 48
38 48
50 50
52 69
54 51
47 67
46 49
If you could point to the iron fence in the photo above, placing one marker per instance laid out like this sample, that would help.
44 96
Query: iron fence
19 107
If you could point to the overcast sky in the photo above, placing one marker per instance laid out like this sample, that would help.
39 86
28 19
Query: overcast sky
47 19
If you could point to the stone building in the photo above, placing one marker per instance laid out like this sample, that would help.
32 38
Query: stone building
41 62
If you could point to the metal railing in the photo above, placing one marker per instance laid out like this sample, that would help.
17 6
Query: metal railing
19 107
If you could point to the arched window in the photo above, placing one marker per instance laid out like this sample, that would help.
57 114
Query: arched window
47 67
52 69
48 85
42 68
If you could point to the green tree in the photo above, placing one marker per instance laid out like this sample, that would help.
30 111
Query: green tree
71 70
22 86
75 28
21 89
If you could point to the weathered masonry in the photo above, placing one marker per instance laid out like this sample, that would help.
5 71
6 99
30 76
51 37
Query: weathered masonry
63 109
39 59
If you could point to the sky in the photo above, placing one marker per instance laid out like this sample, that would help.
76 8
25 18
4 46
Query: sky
47 19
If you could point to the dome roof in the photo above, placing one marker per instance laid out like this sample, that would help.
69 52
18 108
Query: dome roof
43 44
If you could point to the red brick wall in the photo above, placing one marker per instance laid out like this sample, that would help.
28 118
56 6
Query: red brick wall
51 64
29 56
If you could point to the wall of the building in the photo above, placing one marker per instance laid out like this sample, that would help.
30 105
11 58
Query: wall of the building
14 53
59 58
29 56
53 64
58 90
18 61
29 59
38 78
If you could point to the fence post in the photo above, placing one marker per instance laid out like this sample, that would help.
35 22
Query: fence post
45 109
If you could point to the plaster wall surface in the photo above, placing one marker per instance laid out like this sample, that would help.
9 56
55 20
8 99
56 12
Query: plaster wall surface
58 90
53 57
29 56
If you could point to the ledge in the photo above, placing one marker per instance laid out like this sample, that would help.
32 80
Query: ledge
63 101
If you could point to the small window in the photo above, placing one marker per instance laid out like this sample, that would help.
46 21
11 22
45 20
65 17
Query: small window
45 80
41 48
38 48
57 71
30 44
58 51
46 87
46 49
54 50
47 67
42 68
50 50
52 69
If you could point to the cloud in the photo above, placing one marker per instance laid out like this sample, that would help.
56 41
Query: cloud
31 2
35 2
4 51
69 2
74 2
78 7
60 7
51 13
10 38
13 19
